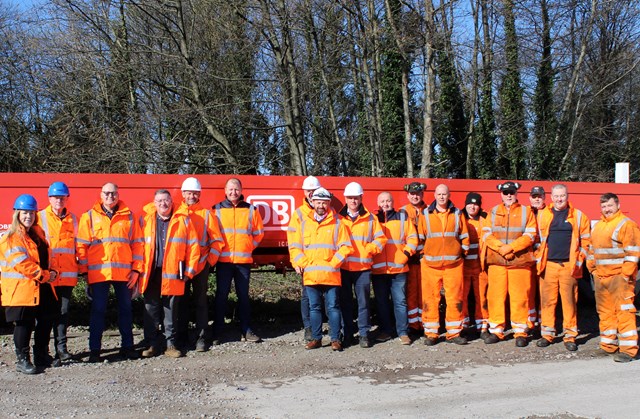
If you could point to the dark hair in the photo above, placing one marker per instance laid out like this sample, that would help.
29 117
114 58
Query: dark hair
609 195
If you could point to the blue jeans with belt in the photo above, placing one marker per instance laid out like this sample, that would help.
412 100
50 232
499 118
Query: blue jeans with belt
100 295
330 294
391 286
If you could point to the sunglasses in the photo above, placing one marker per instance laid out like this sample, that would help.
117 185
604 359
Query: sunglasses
508 192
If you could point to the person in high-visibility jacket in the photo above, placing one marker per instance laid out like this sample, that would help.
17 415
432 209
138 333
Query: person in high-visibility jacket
319 247
446 241
475 277
309 185
613 260
415 195
61 227
27 291
389 270
242 231
210 242
508 234
367 240
171 256
537 203
565 235
109 247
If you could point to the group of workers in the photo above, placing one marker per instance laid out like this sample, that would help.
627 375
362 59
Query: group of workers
412 257
166 255
422 253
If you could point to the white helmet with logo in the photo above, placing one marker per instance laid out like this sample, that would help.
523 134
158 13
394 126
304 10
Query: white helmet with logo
311 183
321 194
191 184
353 189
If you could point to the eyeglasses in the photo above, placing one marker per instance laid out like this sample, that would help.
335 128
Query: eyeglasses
109 193
508 193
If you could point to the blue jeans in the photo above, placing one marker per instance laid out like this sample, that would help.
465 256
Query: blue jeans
394 286
100 295
239 274
330 293
304 308
360 282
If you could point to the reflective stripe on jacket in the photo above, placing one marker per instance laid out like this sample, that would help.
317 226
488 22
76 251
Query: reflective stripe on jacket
615 247
303 211
209 236
515 226
241 228
61 236
181 246
21 271
580 238
472 259
367 239
320 248
401 237
108 249
445 235
414 214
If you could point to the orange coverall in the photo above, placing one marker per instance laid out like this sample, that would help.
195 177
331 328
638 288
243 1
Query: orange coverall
475 278
414 276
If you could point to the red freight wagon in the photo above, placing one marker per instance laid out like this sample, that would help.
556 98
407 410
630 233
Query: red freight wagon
278 196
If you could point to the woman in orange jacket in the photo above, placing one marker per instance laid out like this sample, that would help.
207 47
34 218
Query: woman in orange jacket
24 263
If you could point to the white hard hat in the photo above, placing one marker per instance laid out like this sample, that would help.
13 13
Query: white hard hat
310 183
353 189
321 194
191 184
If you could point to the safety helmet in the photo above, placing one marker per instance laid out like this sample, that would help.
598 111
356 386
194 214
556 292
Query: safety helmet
310 183
321 194
353 189
58 189
26 202
191 184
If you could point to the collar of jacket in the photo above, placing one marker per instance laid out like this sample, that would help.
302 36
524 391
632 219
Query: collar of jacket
361 211
384 216
612 217
227 204
450 206
120 208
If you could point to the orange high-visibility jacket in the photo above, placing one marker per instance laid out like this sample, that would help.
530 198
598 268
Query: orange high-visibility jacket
108 249
320 248
61 236
299 214
21 271
367 239
472 259
242 230
181 246
415 213
209 236
515 226
580 238
445 235
402 242
615 247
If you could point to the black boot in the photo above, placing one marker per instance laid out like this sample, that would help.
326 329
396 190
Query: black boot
63 354
41 357
24 364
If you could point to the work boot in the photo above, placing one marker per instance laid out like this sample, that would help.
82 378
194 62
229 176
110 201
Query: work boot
458 340
94 356
405 340
364 342
314 344
484 335
64 355
543 343
491 339
430 341
201 345
251 337
172 352
383 337
41 358
521 342
571 346
150 352
128 354
622 357
308 334
24 364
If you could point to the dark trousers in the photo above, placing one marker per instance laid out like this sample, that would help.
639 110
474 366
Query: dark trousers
100 294
238 273
62 320
160 313
195 295
39 320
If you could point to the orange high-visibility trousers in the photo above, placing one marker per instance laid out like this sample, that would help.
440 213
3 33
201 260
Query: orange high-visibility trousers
533 319
516 282
614 302
433 279
556 279
414 297
476 281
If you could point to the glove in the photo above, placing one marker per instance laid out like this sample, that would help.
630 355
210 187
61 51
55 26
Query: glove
505 249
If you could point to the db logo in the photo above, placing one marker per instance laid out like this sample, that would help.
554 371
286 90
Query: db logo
276 210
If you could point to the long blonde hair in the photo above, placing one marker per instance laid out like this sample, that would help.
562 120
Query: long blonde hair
17 227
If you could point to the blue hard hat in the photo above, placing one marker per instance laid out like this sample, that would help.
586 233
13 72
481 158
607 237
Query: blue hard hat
26 202
58 189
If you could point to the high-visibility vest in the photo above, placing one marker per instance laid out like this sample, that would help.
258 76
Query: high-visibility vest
615 247
61 236
472 258
367 239
303 211
401 237
445 235
241 228
515 226
207 230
